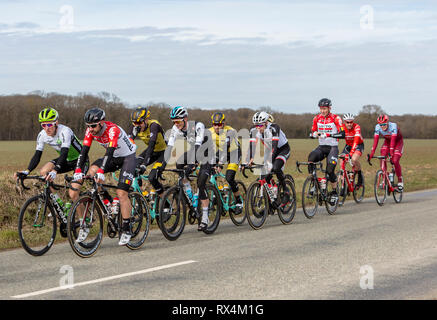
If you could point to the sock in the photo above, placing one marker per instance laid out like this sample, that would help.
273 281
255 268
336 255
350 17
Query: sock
205 214
125 226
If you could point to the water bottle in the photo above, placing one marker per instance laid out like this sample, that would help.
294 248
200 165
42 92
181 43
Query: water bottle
322 182
115 206
390 177
67 208
107 205
145 194
195 199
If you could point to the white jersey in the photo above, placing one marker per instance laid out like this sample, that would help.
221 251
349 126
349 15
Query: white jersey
64 138
195 134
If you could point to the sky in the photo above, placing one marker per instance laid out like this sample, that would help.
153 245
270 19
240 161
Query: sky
226 54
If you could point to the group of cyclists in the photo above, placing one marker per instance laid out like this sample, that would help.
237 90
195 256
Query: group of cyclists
121 150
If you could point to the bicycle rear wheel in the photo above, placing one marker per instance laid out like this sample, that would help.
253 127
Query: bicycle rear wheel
331 208
140 221
172 214
310 194
237 218
359 190
214 210
287 195
37 226
85 208
380 188
397 195
257 205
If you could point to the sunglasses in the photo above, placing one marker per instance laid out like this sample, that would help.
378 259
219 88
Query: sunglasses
92 125
48 125
217 124
383 124
348 122
259 125
178 121
136 124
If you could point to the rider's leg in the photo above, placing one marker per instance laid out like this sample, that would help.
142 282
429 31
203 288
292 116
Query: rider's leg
396 158
202 179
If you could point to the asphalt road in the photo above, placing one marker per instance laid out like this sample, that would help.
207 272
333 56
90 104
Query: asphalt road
363 252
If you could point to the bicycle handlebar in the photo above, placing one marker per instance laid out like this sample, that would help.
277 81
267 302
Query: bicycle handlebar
298 164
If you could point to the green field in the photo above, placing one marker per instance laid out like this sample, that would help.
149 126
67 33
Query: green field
419 168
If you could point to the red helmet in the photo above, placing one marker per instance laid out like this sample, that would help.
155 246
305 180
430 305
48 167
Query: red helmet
383 118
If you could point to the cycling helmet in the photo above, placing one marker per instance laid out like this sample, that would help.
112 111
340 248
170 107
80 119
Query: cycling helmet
383 118
218 118
348 117
94 115
325 102
271 119
178 112
140 114
260 117
48 115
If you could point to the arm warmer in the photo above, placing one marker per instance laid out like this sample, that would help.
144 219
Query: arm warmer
35 160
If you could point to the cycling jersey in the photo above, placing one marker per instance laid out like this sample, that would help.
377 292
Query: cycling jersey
393 137
112 136
273 138
331 124
153 132
226 139
353 137
64 138
195 134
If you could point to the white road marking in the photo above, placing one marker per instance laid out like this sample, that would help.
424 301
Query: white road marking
36 293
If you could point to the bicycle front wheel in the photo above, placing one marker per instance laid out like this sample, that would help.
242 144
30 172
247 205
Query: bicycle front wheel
214 210
37 225
310 194
140 220
172 214
287 195
85 215
257 205
237 217
397 195
380 188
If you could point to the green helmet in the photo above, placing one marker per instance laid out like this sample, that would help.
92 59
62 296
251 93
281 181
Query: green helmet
48 115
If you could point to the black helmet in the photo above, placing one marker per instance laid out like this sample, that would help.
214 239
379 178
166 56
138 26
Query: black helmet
139 114
325 102
94 115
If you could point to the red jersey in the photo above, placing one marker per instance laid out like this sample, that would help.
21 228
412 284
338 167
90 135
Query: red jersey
331 124
112 137
353 137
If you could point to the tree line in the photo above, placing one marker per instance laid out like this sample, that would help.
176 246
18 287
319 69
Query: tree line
19 115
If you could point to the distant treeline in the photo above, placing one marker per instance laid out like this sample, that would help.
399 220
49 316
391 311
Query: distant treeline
19 116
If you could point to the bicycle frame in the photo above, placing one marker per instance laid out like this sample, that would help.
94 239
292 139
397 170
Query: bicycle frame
350 184
225 203
323 192
387 181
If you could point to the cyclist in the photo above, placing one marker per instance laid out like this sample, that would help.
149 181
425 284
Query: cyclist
63 140
276 144
327 127
120 154
152 134
393 144
354 144
197 137
228 150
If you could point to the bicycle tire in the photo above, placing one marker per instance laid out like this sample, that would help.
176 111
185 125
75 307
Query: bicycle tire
240 218
214 201
397 195
331 209
141 221
359 191
174 215
30 244
287 216
310 191
89 248
250 202
380 185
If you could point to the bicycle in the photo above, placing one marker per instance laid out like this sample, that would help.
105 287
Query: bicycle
261 197
315 191
227 198
174 205
93 215
347 184
37 226
384 182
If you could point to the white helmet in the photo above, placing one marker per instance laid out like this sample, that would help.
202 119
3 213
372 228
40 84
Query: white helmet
348 117
260 117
